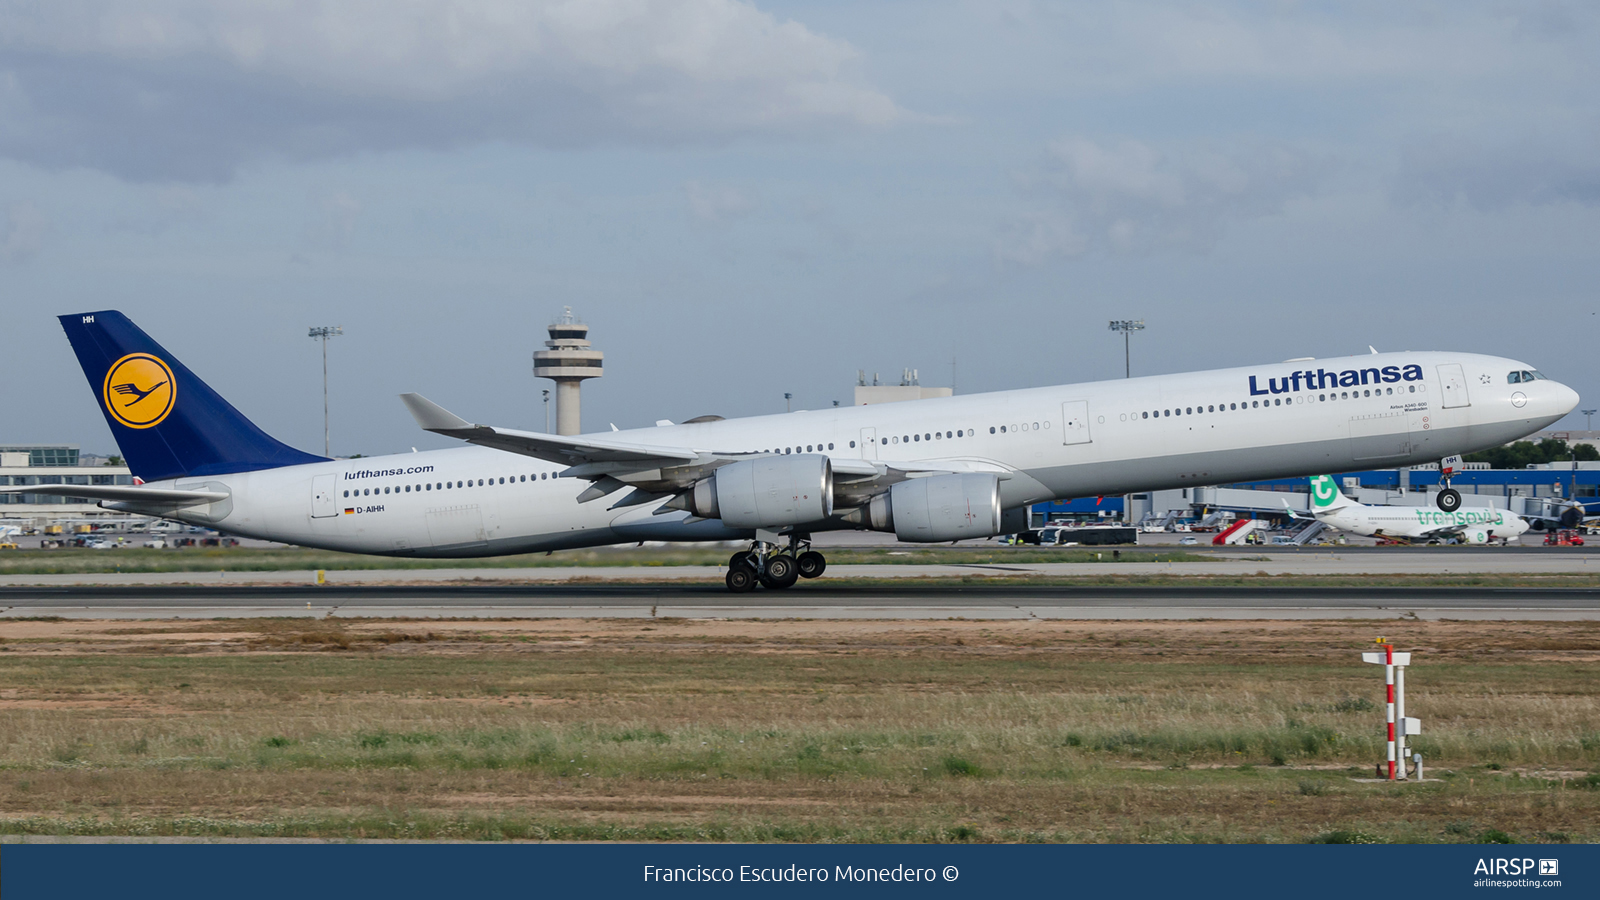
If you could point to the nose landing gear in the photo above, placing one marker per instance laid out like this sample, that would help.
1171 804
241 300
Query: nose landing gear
1448 499
770 565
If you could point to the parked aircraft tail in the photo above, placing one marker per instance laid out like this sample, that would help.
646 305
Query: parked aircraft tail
1326 496
167 422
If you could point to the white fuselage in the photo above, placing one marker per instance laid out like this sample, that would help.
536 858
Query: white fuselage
1099 438
1471 525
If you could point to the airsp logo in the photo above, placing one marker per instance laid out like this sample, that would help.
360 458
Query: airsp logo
139 391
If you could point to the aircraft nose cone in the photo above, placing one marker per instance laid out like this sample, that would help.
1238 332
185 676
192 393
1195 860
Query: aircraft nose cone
1565 399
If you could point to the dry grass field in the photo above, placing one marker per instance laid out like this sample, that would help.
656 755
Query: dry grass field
792 731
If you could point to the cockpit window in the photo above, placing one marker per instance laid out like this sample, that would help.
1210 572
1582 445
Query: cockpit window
1534 376
1514 378
1525 376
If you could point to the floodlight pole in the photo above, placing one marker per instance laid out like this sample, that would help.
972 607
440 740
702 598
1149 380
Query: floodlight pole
322 333
1588 426
546 412
1127 327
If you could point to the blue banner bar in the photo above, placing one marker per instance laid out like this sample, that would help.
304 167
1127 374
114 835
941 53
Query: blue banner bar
350 871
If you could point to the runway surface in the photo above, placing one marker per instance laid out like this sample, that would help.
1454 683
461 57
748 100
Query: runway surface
814 600
1417 562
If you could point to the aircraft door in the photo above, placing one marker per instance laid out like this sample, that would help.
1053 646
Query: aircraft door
324 503
1075 422
869 443
1453 384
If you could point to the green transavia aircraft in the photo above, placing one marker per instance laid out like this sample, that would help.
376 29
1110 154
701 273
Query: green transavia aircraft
1471 525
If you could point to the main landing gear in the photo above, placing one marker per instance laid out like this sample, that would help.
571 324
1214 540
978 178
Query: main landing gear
768 564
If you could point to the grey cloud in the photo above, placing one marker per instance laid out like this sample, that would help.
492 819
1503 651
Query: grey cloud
1127 45
336 213
718 202
1127 197
1532 171
189 90
22 232
165 207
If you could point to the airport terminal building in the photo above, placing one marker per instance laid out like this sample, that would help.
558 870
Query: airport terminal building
1523 491
28 464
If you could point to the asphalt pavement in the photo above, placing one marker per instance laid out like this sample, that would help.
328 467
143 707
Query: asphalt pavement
806 600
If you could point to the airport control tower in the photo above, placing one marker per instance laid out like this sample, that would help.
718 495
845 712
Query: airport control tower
568 362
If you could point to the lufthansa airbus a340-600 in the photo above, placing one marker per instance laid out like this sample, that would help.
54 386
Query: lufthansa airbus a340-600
943 469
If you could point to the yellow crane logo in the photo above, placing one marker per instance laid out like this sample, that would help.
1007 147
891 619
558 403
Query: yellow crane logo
139 390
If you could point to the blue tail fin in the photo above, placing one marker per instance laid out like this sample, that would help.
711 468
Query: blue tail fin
167 422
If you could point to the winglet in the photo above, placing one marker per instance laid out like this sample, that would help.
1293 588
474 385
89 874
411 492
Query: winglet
433 417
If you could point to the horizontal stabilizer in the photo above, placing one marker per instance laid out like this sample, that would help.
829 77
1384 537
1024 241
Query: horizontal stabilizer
121 494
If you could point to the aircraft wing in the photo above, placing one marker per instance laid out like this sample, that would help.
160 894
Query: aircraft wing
571 451
121 494
1295 514
657 471
590 457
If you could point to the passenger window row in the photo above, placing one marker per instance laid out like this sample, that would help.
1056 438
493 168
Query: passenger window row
1256 404
925 436
446 485
892 439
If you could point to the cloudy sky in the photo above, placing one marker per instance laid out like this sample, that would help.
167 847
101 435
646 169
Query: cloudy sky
747 199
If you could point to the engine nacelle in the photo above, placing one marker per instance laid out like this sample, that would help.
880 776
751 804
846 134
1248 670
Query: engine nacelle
770 492
939 508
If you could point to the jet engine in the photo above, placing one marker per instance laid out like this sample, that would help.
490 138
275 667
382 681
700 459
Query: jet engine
770 492
939 508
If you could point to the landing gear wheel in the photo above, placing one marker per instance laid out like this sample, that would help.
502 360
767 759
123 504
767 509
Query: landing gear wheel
741 579
740 560
782 571
1448 500
811 564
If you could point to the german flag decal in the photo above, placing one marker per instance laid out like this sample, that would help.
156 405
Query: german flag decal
350 511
